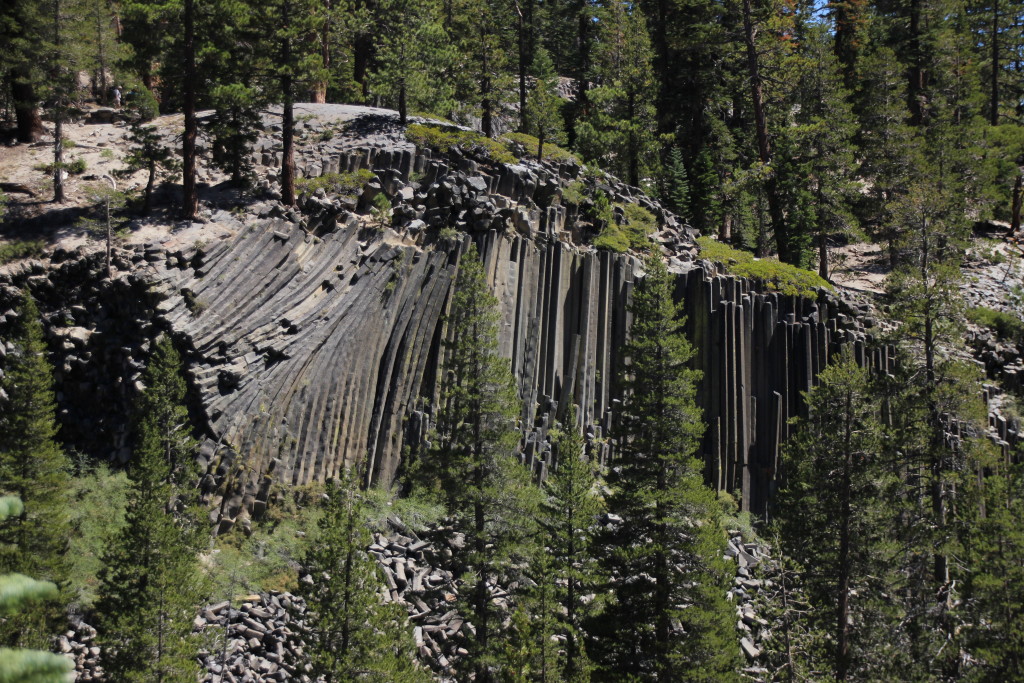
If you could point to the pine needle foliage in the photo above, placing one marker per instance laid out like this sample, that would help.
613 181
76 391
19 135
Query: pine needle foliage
33 467
151 583
16 592
669 617
351 635
488 492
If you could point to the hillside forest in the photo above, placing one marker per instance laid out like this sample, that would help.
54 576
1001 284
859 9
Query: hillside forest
782 130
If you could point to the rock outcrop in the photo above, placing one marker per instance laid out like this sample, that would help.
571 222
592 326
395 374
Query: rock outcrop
314 338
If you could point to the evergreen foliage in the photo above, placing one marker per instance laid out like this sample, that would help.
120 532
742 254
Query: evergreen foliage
474 466
34 468
569 520
352 635
669 618
16 592
836 518
151 583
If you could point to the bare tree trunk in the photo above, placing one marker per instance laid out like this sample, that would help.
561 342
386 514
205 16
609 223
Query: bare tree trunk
287 114
190 200
823 255
147 203
486 124
1015 204
764 148
26 110
521 31
58 112
994 104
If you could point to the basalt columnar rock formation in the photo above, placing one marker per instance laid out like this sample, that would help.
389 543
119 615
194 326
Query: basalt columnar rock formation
314 338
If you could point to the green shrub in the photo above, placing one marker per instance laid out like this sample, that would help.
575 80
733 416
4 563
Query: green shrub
466 140
1007 325
21 249
634 233
337 184
574 193
612 238
77 167
522 144
775 275
100 498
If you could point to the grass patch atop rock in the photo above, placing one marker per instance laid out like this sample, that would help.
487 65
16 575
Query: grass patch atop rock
775 275
467 141
633 233
336 184
523 145
1006 325
15 251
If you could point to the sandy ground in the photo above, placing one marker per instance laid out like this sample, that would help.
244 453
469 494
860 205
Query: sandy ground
860 268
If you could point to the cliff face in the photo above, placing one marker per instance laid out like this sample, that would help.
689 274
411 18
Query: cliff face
314 340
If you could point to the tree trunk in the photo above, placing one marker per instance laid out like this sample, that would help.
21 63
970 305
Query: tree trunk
58 113
147 203
403 114
823 255
725 231
843 590
915 91
287 114
26 111
189 200
319 92
994 103
110 239
362 48
521 29
1015 204
540 146
764 148
486 125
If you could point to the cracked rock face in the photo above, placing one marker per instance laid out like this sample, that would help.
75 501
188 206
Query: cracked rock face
313 336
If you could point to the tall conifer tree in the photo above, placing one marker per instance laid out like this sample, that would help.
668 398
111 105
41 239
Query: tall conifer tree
489 493
352 636
669 615
151 583
34 468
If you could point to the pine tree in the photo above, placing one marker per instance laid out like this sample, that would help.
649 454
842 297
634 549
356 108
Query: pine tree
836 519
294 64
939 390
995 548
481 32
34 468
151 583
543 105
148 152
569 514
17 590
673 185
620 131
815 155
488 492
413 55
231 53
21 44
669 615
351 635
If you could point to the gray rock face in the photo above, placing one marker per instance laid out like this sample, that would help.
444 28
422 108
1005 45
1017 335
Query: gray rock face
314 339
